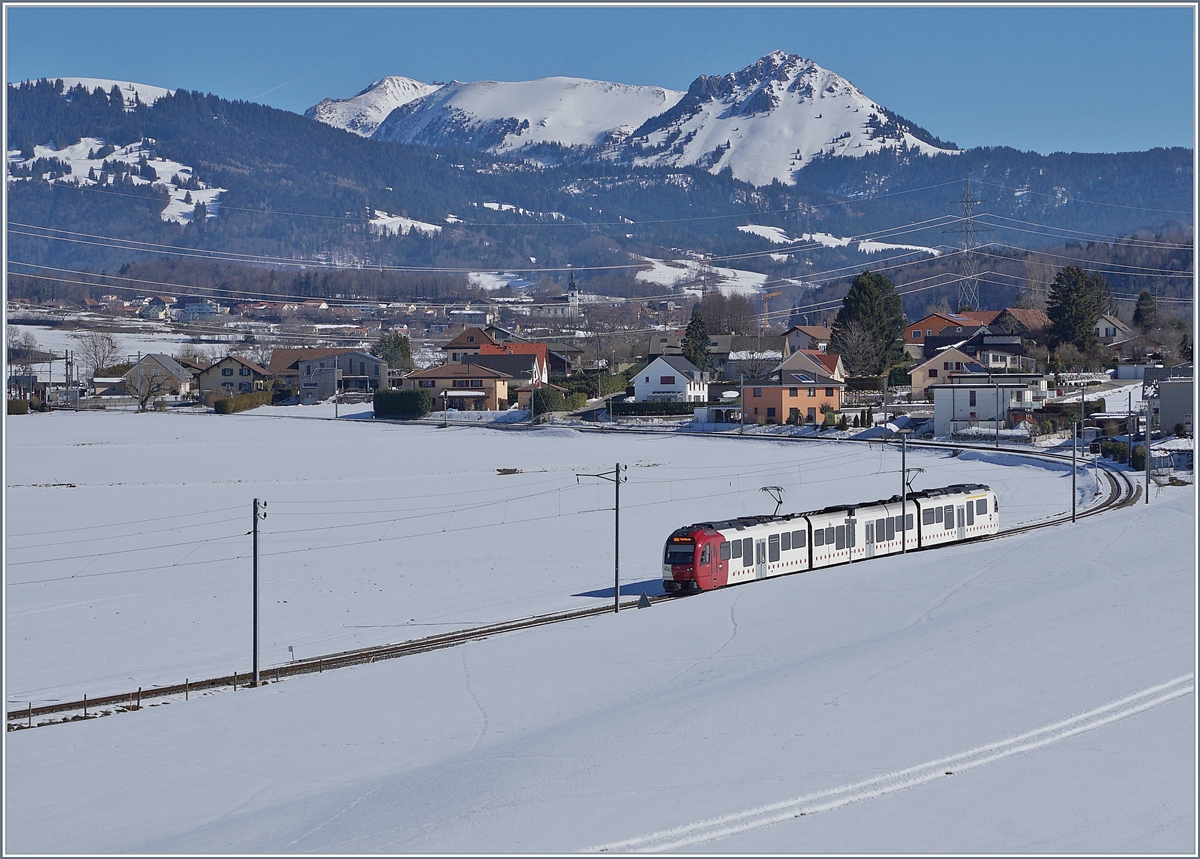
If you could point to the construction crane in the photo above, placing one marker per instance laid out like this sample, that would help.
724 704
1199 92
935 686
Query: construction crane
766 298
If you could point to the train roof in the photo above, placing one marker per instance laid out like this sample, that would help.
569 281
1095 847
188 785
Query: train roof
742 522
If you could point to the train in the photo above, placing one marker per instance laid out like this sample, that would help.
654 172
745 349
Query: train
711 555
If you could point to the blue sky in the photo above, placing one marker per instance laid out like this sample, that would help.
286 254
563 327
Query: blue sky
1086 79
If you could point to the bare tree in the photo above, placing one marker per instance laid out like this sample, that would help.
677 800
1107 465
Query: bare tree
860 351
97 349
145 384
1039 274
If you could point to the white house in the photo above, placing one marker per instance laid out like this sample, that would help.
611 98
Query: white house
1109 328
671 379
981 400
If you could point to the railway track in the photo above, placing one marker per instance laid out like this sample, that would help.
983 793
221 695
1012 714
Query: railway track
1122 492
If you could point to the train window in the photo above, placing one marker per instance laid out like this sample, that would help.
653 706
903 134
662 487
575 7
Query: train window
725 550
997 507
870 532
970 513
828 535
705 554
748 552
736 549
981 506
927 516
840 536
908 522
891 528
798 540
949 508
818 536
773 547
879 530
938 511
785 541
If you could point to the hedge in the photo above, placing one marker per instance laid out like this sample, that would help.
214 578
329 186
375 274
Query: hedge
652 409
18 407
241 402
864 383
407 405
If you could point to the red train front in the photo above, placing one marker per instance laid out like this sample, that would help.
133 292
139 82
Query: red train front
692 560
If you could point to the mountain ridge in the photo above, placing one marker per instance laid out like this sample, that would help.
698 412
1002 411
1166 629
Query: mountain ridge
763 122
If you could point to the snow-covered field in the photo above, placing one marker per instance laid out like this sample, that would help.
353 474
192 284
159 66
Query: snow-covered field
702 724
730 281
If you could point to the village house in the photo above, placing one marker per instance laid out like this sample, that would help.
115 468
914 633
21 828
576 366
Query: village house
937 369
284 366
1109 329
670 345
815 361
806 337
670 379
916 333
346 371
157 375
462 385
977 399
797 396
229 376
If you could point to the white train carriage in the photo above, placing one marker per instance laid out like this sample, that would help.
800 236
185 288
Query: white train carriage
956 513
715 554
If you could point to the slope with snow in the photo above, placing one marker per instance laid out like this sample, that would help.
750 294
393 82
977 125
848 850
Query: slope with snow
1029 694
503 117
362 113
145 93
777 236
770 119
86 169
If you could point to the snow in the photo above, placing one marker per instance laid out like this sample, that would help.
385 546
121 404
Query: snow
1050 672
564 110
729 281
871 247
491 281
396 225
813 112
362 113
775 235
146 93
166 170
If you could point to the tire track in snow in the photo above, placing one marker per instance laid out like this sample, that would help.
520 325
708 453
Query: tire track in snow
826 800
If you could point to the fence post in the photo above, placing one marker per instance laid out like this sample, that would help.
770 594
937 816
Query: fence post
139 701
30 724
85 705
185 688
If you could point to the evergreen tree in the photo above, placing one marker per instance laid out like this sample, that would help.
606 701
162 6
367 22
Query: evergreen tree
695 341
394 348
871 309
1076 301
1145 315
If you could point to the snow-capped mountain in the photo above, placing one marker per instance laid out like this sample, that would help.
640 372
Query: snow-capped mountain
769 120
763 122
363 112
500 117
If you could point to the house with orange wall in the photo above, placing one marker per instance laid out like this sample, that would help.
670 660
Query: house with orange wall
791 394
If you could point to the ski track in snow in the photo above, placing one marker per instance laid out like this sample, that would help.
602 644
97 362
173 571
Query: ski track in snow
482 712
826 800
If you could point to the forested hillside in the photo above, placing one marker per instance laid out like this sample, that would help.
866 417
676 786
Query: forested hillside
301 191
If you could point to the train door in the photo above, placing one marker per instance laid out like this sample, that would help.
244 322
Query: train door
870 539
960 517
760 559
